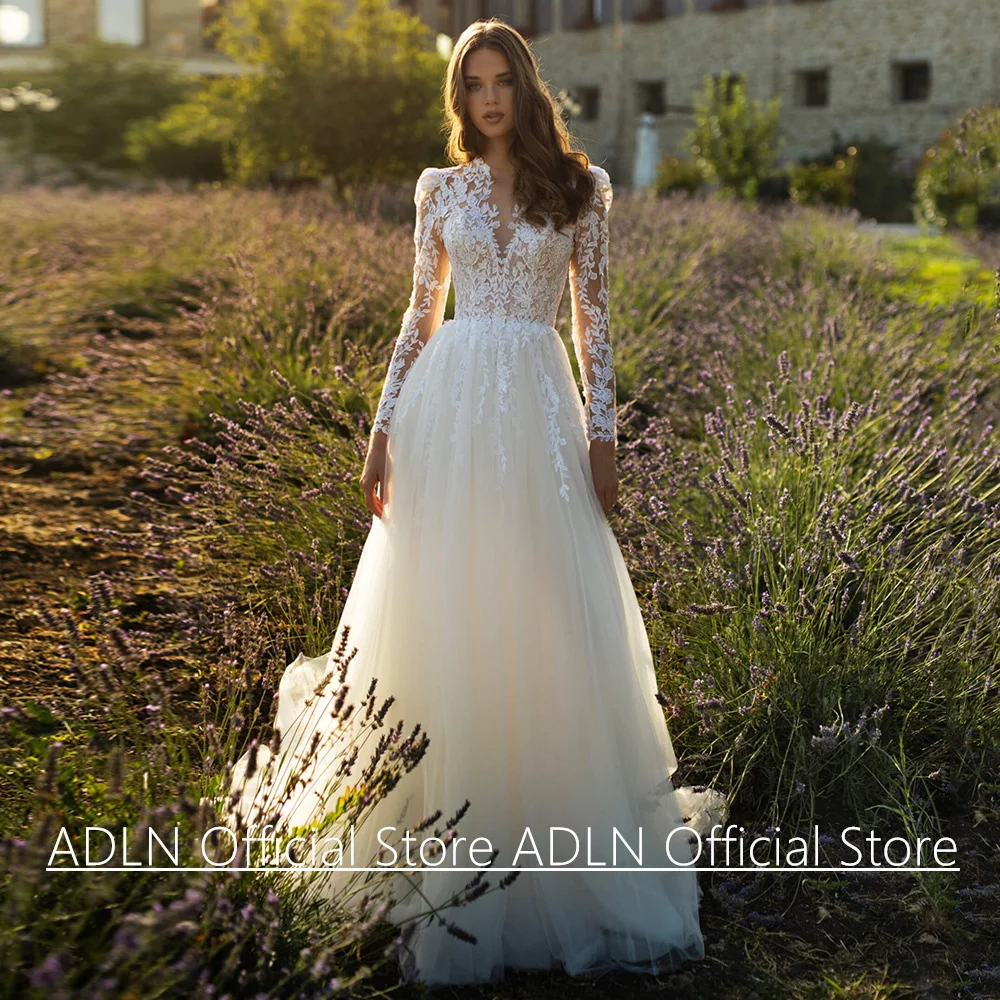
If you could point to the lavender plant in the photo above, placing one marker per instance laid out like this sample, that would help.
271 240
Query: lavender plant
826 579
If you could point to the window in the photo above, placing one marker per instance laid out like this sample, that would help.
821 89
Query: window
732 80
583 14
642 10
812 88
22 23
473 10
649 96
652 10
211 12
446 17
526 16
122 21
912 82
589 99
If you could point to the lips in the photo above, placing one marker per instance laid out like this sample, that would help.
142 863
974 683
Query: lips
493 118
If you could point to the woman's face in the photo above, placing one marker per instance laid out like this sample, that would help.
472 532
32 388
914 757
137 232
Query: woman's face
489 87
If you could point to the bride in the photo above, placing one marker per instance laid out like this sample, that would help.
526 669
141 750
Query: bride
491 599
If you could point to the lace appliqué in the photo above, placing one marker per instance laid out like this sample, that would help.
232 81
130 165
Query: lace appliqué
431 277
591 336
507 298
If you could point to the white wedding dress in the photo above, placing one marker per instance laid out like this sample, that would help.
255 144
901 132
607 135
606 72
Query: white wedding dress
492 602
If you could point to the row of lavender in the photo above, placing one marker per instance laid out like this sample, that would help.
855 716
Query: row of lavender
809 512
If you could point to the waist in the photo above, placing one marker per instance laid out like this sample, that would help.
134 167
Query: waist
501 324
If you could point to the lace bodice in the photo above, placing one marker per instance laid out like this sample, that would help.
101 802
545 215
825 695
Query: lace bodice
455 239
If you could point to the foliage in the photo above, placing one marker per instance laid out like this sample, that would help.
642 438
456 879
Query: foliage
189 140
102 87
678 174
355 97
816 183
809 515
735 139
26 104
776 187
959 177
883 188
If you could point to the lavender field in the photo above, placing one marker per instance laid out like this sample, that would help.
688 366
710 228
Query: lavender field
810 512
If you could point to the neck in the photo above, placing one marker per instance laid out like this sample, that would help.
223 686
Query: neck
497 154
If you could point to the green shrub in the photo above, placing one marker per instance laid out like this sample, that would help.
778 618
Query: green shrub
819 183
674 173
354 97
775 187
959 177
883 187
102 87
735 140
190 140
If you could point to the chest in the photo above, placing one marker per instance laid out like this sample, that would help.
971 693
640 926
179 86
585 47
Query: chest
475 233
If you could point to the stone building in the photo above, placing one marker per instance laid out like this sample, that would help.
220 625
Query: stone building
898 69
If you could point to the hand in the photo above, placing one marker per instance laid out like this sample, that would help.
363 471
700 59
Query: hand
602 468
373 473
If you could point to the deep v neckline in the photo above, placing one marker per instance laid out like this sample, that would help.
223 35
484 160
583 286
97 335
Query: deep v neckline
491 212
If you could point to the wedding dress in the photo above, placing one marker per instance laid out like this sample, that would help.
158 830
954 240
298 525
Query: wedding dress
492 601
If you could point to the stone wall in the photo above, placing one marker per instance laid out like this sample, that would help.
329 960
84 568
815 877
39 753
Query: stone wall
173 29
857 40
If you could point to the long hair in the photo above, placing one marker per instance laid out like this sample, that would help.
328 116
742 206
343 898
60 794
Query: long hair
551 177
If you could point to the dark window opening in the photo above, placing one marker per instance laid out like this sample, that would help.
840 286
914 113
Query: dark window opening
650 96
589 99
733 79
813 88
913 82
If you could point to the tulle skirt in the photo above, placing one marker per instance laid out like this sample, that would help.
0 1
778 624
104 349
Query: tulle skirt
492 602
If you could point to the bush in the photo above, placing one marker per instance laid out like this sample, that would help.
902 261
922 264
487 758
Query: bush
356 98
883 189
102 87
676 174
819 183
959 177
190 140
775 188
735 140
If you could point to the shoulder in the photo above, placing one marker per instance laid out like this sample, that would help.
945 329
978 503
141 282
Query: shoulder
603 191
431 181
427 182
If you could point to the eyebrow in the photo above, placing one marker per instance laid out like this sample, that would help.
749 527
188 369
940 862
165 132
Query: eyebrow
469 76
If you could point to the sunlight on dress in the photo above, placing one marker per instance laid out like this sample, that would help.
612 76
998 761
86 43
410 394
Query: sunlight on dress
493 603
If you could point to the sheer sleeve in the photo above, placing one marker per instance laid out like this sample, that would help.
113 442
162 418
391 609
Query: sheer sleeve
431 278
588 271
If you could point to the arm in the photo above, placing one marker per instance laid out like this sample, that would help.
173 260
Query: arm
431 277
588 271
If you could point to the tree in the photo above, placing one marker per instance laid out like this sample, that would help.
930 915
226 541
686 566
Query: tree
353 96
735 140
102 87
959 179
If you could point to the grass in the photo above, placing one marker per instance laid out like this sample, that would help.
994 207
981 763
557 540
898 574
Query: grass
937 273
808 509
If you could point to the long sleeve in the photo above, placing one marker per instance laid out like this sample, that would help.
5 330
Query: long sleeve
431 278
588 272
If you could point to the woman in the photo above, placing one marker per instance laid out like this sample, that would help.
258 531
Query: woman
491 599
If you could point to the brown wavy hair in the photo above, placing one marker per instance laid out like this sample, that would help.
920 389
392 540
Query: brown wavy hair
552 178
